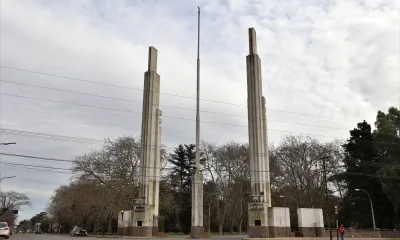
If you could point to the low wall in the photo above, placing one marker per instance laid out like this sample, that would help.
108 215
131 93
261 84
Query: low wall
365 233
390 234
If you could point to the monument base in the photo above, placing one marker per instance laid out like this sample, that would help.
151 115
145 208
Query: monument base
156 232
258 231
277 232
142 231
125 231
197 232
311 232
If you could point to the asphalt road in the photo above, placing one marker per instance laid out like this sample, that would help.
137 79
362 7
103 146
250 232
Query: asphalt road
29 236
66 237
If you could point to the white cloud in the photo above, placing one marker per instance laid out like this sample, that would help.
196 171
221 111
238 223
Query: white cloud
334 59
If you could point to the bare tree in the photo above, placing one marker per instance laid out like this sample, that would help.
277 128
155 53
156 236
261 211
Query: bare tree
299 171
227 168
234 158
13 201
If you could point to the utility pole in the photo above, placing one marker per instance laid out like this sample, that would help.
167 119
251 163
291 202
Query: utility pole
337 221
327 194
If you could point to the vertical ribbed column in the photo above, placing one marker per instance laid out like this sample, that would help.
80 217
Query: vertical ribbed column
258 144
146 215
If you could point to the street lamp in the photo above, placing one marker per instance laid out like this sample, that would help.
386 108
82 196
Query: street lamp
297 204
372 207
1 179
8 143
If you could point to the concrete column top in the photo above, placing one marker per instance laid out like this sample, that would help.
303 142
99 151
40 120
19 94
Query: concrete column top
252 41
152 66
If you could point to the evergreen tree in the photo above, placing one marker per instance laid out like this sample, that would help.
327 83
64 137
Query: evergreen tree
183 162
370 159
387 147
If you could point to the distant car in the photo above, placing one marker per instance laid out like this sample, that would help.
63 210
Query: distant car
4 230
38 231
78 231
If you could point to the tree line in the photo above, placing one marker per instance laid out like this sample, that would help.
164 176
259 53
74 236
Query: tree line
107 180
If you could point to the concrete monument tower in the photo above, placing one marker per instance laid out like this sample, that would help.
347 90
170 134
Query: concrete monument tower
258 144
145 216
197 229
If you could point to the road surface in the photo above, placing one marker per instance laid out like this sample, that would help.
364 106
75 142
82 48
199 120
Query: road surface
225 237
66 237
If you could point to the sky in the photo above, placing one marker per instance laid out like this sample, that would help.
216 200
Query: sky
75 69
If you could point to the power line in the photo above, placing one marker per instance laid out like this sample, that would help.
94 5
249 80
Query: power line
39 158
77 161
190 109
186 119
49 136
37 166
174 95
60 160
50 169
164 116
129 111
60 137
33 168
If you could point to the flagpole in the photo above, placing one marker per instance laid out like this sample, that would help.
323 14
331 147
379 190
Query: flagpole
197 228
198 95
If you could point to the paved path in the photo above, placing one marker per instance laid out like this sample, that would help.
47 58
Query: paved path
224 237
66 237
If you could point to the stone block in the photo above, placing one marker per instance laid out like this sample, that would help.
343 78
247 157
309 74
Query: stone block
311 222
278 232
197 232
258 231
311 232
125 231
390 234
142 231
279 222
154 230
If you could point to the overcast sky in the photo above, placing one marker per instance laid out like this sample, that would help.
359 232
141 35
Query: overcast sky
328 63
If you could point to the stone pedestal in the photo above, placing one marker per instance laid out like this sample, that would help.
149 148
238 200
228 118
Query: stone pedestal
197 229
142 221
279 222
197 232
142 231
126 231
311 222
258 231
258 219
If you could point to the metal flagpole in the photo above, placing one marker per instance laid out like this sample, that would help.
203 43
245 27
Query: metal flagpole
198 95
